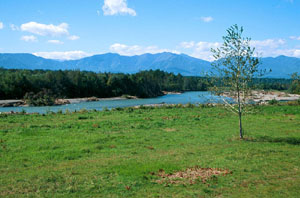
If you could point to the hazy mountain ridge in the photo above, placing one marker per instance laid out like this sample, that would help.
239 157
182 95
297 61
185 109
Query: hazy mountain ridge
281 66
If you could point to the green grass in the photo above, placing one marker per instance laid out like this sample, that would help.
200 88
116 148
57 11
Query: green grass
99 154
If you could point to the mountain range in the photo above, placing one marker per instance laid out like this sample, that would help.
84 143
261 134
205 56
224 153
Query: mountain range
281 66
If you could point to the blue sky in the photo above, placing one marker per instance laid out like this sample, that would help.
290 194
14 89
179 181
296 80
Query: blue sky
71 29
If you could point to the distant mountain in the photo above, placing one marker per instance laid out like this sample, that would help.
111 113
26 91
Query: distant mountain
183 64
281 66
26 61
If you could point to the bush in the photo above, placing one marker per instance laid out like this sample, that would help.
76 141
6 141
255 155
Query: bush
293 103
23 111
67 111
142 107
273 102
105 109
83 110
118 109
190 105
42 98
129 109
82 118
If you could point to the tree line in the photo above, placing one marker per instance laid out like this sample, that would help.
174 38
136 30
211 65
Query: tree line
15 83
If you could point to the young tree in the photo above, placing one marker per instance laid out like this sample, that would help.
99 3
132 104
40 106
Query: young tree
295 86
234 68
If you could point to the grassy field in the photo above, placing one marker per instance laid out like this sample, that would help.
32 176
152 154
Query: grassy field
120 153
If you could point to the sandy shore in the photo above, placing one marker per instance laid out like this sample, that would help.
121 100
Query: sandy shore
11 103
265 96
22 103
257 96
171 93
92 99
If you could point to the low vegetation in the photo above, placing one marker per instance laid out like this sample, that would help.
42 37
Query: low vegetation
151 152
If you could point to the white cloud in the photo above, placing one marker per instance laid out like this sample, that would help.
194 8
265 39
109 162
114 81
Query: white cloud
58 42
268 47
207 19
115 7
73 37
268 43
1 25
187 45
274 48
68 55
30 38
295 37
13 27
202 50
46 30
288 52
264 48
137 50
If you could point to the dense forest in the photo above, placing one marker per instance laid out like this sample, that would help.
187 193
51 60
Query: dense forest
15 84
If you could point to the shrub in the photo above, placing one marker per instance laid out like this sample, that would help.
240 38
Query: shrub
82 118
142 107
273 102
190 105
293 103
129 109
179 106
42 98
23 111
83 110
67 111
105 109
118 109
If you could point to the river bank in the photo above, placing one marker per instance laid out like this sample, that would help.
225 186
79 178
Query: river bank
197 97
11 103
65 101
261 96
22 103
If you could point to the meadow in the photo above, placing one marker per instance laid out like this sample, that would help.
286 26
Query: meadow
124 153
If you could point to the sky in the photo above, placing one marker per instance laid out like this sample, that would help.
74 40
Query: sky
73 29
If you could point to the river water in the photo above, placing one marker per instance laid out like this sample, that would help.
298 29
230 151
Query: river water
194 97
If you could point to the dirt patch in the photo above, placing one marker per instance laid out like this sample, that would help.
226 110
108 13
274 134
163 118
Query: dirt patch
190 175
289 115
150 147
169 129
171 118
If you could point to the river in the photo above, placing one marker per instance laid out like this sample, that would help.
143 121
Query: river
193 97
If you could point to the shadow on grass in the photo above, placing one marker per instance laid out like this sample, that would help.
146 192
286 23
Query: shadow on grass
288 140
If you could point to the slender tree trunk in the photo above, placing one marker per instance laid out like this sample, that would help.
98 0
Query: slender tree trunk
240 112
241 128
